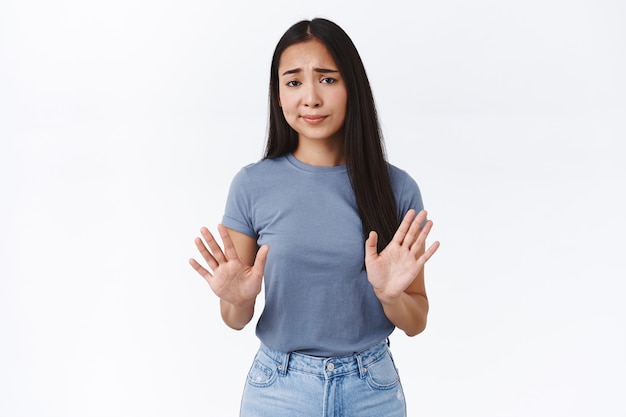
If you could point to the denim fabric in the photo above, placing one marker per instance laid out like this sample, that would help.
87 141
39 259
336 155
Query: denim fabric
296 385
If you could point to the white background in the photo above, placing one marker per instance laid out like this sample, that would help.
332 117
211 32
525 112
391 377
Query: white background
122 123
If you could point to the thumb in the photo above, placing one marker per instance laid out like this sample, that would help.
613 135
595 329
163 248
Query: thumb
370 245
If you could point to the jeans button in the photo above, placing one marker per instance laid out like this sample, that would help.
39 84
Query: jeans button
330 367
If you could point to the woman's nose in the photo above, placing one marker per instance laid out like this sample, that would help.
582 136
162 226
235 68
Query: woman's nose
311 97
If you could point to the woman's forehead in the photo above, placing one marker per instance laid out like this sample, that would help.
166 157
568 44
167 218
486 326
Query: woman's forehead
304 55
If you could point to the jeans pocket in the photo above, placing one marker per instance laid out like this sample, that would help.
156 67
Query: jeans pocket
383 374
263 372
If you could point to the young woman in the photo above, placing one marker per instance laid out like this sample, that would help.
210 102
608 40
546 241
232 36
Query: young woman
337 233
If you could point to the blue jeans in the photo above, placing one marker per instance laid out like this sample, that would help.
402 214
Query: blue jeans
295 385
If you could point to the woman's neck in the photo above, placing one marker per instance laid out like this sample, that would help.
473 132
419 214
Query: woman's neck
320 153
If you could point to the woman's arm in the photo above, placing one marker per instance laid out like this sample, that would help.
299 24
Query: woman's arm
237 316
236 273
397 273
409 311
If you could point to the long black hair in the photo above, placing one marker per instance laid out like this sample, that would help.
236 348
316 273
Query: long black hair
363 142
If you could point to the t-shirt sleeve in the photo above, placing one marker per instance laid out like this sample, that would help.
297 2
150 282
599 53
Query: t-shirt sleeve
409 196
238 212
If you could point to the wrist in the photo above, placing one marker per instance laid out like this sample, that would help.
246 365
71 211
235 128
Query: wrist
236 316
242 304
388 300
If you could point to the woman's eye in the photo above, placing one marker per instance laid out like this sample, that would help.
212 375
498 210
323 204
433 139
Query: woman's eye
328 80
293 83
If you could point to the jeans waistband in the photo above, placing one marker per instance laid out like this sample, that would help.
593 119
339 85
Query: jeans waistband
326 367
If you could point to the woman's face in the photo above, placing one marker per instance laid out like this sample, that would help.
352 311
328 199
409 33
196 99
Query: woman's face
312 93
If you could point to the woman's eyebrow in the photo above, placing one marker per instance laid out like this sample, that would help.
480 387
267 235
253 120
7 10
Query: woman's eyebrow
320 70
325 70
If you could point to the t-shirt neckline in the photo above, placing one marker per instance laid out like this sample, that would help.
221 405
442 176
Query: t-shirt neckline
314 168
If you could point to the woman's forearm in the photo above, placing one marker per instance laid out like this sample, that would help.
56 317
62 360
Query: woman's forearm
408 312
236 317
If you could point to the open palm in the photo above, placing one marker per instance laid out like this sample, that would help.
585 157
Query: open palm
393 269
229 278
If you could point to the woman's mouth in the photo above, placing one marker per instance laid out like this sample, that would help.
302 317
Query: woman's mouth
313 119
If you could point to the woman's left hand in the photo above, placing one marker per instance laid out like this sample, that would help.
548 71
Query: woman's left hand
392 271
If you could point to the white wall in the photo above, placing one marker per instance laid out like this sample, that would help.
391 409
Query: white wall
122 123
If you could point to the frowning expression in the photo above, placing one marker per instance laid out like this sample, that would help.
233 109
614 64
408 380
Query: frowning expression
312 93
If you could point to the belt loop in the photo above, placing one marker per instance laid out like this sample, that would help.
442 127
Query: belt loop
359 362
282 368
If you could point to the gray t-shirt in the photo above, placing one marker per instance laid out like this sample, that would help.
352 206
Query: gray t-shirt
318 300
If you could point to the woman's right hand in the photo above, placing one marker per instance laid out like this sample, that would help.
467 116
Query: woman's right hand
230 279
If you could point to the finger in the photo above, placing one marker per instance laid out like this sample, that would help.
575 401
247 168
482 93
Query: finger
260 260
417 248
370 245
229 247
208 257
200 269
398 237
428 253
414 230
216 250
